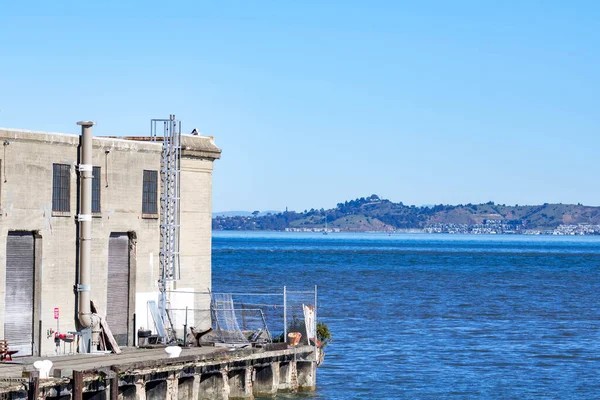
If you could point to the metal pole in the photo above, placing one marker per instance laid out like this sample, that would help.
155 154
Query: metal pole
315 332
285 314
185 328
86 318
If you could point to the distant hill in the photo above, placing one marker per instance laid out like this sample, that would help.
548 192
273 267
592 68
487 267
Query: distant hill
242 213
376 214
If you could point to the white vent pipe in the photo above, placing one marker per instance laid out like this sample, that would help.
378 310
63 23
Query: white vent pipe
86 318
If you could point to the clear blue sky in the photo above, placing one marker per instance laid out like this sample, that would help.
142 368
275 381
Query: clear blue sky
317 102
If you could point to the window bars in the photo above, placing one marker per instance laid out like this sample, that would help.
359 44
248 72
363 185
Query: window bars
61 187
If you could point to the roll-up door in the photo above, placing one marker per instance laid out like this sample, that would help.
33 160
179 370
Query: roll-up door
19 292
117 304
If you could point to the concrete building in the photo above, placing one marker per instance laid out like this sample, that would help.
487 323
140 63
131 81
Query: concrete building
39 203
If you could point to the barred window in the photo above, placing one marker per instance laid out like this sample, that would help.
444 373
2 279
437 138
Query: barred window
96 190
150 193
61 187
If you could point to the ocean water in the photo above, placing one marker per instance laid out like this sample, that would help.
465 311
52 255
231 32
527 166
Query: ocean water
436 316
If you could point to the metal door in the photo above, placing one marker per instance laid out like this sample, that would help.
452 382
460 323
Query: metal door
117 302
19 292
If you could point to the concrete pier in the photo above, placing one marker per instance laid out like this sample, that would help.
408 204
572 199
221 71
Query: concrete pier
199 373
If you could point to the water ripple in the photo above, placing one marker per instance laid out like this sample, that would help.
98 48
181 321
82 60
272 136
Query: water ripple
434 317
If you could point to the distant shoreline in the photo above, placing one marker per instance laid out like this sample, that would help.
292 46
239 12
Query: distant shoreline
407 232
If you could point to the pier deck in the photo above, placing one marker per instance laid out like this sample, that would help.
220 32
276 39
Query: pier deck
83 362
199 372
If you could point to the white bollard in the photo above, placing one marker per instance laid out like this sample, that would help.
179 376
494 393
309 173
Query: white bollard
43 367
173 351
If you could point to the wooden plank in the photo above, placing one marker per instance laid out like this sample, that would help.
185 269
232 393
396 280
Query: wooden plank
109 336
102 341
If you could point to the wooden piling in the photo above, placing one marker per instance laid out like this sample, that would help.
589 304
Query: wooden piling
77 385
34 385
114 385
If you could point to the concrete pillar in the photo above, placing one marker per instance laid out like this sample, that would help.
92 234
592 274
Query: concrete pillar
196 386
172 387
99 395
58 392
140 389
306 374
287 383
128 392
156 390
240 383
266 380
185 389
212 386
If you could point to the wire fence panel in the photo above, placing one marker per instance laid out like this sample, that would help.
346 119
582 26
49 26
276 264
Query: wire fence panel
260 317
296 321
270 309
225 319
254 325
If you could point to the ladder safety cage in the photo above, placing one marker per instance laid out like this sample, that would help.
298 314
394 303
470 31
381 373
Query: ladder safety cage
170 174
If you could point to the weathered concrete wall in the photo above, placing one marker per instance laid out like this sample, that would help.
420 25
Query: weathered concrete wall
26 201
196 218
26 205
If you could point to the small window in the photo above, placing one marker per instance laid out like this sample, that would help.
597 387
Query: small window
96 190
61 187
150 193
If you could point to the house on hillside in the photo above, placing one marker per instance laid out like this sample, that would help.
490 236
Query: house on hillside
40 205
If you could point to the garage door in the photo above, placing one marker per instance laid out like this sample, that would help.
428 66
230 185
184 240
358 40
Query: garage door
18 300
117 304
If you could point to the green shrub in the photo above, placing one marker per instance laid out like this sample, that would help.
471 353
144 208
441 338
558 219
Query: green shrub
323 334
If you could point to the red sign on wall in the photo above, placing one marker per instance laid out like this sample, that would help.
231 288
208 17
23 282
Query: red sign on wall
56 313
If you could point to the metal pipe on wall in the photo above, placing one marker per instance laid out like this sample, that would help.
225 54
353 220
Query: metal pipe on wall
86 318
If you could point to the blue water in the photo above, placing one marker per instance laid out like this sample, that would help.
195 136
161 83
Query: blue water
437 316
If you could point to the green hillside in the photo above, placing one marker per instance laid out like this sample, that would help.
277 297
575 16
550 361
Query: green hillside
375 214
